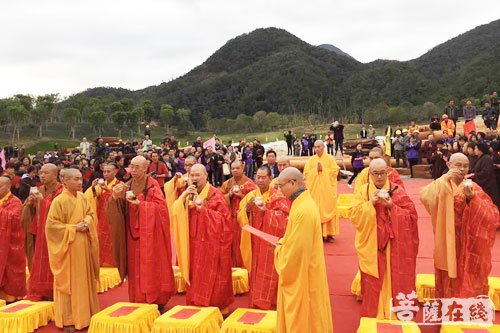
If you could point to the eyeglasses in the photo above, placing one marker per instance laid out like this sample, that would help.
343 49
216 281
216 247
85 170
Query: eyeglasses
283 185
379 174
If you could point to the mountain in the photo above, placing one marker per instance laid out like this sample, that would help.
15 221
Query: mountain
273 70
335 49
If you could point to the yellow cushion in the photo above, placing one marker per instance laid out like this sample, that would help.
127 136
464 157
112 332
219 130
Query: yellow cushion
25 316
449 328
189 319
240 281
125 317
356 286
344 202
494 294
250 321
370 325
109 277
426 286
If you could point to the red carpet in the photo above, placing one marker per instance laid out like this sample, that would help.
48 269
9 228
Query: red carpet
342 265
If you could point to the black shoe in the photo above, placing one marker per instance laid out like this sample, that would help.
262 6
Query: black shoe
330 239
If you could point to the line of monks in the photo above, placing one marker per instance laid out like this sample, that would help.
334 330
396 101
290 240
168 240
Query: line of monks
64 236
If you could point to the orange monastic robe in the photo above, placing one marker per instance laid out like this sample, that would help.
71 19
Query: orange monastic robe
203 241
263 275
364 178
303 296
246 185
41 281
387 245
323 188
141 243
74 260
99 199
12 257
464 234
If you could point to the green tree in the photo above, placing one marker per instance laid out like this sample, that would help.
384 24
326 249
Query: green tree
97 119
245 122
167 115
259 119
139 115
273 120
119 118
128 104
149 110
430 109
183 121
71 115
43 111
18 116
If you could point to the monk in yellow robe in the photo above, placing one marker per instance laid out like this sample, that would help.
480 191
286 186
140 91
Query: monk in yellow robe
12 257
203 233
303 296
321 172
364 175
283 163
464 220
266 209
73 255
386 241
99 194
234 190
175 186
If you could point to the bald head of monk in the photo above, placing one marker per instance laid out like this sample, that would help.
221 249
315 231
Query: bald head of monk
138 167
73 180
199 176
188 163
376 152
319 147
290 181
283 163
5 185
458 166
237 170
378 172
48 174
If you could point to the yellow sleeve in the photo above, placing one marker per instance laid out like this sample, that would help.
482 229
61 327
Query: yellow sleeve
170 189
364 219
246 237
181 236
361 179
92 199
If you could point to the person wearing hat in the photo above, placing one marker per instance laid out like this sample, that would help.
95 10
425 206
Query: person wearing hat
399 145
447 125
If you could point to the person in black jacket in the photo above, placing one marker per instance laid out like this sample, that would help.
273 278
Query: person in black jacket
271 163
289 142
338 136
484 172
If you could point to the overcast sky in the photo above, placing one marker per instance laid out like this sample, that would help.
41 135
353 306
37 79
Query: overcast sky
64 47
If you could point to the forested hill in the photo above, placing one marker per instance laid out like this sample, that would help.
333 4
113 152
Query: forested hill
273 70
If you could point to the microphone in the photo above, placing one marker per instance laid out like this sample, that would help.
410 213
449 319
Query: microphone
191 196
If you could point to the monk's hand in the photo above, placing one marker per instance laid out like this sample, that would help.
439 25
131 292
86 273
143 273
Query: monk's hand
119 191
320 167
82 226
387 202
374 198
469 192
455 174
177 175
261 207
250 204
191 189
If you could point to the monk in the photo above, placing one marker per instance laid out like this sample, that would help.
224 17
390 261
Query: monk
283 163
364 175
300 263
12 257
99 194
140 232
234 189
464 221
35 210
203 234
321 172
386 241
175 186
269 213
73 255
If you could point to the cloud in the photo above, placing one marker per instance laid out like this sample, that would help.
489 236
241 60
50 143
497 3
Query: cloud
68 46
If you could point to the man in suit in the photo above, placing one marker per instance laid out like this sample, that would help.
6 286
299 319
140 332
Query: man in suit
271 163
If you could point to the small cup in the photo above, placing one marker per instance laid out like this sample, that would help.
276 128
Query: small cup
198 202
383 194
236 188
468 182
185 178
100 181
129 194
258 201
34 190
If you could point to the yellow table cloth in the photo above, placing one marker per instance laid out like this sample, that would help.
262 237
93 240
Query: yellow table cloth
356 286
448 328
494 294
25 316
344 202
240 281
189 319
250 321
180 284
109 277
124 317
373 325
426 287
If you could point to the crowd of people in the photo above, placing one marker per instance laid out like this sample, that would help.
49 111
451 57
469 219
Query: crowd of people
142 208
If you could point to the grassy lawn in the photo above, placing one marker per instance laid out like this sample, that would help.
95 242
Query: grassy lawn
59 133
